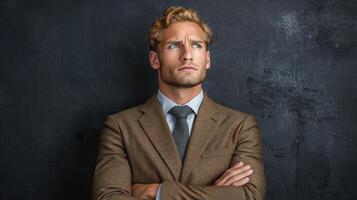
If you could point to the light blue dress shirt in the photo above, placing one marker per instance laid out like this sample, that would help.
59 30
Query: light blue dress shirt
167 104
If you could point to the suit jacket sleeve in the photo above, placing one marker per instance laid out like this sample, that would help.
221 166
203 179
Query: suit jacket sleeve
248 150
112 176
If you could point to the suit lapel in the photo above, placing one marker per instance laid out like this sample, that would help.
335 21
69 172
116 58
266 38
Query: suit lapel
155 126
207 121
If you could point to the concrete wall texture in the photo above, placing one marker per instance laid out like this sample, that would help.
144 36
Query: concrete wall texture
65 65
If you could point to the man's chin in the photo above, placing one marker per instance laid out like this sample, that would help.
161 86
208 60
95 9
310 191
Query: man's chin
187 85
182 84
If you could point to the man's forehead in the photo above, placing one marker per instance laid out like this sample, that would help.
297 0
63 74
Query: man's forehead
181 30
180 39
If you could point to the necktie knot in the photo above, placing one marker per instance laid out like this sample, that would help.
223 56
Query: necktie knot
180 111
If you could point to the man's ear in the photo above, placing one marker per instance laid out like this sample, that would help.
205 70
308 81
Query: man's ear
154 60
208 62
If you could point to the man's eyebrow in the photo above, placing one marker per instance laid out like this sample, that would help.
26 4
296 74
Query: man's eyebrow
173 41
180 41
197 41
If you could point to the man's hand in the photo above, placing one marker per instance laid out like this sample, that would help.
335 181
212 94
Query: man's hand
237 175
145 191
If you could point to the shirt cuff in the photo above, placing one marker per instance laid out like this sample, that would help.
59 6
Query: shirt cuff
158 194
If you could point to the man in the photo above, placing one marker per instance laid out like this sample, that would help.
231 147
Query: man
180 144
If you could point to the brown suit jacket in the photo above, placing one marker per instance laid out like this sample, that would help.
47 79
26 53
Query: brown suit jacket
136 146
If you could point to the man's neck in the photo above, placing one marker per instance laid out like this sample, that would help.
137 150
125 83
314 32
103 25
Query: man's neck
180 95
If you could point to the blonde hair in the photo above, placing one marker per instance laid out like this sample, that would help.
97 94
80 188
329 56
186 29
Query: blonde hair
176 14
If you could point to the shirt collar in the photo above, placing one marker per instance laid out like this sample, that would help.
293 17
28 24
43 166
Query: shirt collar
167 103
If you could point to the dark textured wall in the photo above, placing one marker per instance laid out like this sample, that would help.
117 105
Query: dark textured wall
65 65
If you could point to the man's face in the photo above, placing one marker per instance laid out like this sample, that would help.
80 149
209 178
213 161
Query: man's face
182 57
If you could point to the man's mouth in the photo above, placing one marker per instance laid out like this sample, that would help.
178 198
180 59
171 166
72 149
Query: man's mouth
187 68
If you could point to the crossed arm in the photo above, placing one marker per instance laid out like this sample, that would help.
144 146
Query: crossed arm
112 178
238 175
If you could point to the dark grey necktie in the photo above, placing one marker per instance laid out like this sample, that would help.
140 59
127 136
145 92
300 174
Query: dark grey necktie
181 132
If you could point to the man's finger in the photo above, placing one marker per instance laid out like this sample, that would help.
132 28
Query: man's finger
231 172
241 182
234 169
238 177
237 165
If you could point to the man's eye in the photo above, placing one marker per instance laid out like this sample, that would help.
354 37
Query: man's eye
197 45
171 46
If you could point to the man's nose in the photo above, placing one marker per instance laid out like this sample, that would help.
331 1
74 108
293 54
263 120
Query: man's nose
186 53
